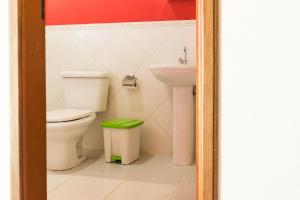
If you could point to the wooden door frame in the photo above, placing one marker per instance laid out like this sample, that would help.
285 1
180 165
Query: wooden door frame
27 63
27 56
207 117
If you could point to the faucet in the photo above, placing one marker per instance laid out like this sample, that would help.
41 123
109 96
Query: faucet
183 61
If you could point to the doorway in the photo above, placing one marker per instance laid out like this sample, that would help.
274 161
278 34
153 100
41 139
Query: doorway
26 76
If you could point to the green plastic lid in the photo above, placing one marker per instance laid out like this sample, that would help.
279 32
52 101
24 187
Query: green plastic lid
122 123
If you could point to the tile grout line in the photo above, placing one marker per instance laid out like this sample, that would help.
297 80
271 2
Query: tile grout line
163 130
186 175
56 101
84 45
50 55
179 186
55 67
156 109
114 189
140 66
159 47
54 49
62 183
173 195
103 50
100 26
114 95
97 56
154 51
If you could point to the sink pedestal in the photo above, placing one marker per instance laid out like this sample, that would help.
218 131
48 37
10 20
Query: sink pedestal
183 123
182 79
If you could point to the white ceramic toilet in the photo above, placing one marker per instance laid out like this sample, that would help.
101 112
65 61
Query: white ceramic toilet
85 94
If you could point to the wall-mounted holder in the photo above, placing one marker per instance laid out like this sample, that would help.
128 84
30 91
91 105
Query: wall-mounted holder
129 81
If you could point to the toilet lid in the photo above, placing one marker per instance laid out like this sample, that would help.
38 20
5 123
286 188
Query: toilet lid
65 115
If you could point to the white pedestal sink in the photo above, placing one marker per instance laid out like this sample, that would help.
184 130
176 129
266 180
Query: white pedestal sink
182 79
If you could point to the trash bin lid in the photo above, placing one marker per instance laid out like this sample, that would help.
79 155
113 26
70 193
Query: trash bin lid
122 123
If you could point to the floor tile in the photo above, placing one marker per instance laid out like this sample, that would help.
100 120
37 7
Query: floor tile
96 179
165 174
133 190
154 160
186 192
54 180
76 170
191 176
154 169
187 189
108 170
84 188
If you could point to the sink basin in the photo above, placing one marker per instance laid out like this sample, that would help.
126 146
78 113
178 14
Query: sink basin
180 75
182 79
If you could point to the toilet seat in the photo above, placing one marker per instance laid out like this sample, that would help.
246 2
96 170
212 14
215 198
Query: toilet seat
67 115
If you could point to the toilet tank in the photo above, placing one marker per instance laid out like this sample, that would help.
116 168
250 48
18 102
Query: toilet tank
86 90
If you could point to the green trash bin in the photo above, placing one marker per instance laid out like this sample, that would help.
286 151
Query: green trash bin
122 140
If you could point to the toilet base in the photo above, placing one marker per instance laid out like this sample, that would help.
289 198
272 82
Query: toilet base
74 164
64 155
79 161
64 143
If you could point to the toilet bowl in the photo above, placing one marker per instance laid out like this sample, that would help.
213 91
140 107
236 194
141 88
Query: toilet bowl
65 130
85 93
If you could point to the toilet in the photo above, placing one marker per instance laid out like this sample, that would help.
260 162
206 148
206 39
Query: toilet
85 94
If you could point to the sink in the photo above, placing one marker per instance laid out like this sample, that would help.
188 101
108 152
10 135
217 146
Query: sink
180 75
182 79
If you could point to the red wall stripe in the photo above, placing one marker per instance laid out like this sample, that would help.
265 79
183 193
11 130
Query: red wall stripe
60 12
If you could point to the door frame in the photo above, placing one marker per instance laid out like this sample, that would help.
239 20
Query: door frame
27 63
28 126
207 117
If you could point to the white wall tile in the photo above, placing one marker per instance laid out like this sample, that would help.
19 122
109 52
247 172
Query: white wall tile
172 48
58 104
154 140
151 38
54 85
72 54
123 55
152 92
163 116
122 48
97 40
93 138
54 39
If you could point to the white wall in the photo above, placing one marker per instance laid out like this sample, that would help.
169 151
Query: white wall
122 48
260 128
4 104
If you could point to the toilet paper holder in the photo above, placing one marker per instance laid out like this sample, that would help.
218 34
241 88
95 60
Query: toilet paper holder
129 80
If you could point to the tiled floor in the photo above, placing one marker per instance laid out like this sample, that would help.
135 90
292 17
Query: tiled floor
150 178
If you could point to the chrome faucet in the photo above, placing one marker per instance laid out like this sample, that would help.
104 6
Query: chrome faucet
181 60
